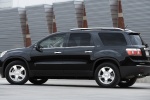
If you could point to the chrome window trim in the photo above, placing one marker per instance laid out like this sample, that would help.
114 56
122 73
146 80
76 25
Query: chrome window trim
69 47
79 46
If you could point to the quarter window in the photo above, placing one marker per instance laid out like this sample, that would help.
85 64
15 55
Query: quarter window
136 39
113 39
80 39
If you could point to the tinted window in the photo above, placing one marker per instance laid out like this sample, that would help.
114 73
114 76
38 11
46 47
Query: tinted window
136 40
79 39
53 41
113 39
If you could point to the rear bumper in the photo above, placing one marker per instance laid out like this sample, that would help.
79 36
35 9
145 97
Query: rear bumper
1 69
1 72
135 71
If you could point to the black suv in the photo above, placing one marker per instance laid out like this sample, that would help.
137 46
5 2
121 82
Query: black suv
111 56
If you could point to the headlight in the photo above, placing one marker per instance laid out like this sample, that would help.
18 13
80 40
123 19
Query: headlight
3 53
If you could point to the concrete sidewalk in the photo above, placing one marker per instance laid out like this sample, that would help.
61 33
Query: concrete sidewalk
144 80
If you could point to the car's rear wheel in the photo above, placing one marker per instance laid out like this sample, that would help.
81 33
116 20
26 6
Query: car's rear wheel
127 82
107 75
16 73
38 81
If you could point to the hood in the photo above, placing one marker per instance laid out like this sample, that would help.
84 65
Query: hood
16 49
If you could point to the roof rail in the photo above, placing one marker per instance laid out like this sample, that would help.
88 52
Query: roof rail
97 28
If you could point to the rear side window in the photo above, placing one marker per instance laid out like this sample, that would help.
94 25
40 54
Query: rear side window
79 39
113 39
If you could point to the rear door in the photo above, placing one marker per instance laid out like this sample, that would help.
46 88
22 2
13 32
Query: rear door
78 55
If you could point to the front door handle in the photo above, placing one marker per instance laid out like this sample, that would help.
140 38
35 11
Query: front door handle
57 52
88 51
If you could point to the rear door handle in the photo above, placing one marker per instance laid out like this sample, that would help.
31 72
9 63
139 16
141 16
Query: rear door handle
88 51
57 52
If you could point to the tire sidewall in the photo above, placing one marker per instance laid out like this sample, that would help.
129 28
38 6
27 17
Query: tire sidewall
7 73
116 79
38 82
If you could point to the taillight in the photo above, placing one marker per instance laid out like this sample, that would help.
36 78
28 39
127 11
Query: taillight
134 52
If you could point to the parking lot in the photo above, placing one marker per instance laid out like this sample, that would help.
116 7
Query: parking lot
72 90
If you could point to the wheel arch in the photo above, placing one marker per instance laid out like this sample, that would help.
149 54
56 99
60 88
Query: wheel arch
11 59
106 59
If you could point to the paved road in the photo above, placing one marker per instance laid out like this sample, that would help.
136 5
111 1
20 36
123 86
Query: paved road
72 90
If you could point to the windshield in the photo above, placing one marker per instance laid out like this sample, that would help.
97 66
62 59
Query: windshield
136 39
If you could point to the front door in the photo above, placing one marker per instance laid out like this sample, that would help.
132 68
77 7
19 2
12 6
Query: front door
48 61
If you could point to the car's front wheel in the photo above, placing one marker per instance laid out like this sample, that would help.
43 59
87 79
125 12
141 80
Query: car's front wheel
38 81
107 75
127 82
16 73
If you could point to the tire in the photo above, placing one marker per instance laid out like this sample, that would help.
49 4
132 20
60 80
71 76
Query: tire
127 83
16 73
107 75
37 81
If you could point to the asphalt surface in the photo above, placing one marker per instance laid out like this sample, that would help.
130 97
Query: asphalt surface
72 90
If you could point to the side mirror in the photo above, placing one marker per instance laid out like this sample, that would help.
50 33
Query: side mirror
38 47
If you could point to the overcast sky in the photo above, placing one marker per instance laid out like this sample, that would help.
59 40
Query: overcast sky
23 3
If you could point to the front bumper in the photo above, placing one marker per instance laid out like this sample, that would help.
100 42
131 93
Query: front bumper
135 71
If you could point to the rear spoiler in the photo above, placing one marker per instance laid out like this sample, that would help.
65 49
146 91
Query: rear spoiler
134 33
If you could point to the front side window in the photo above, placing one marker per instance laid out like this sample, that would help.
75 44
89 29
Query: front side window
80 39
113 39
53 41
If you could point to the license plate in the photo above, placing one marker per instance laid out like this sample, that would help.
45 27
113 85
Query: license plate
147 53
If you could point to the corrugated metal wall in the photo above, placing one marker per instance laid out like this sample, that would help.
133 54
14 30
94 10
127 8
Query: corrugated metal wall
98 13
6 3
136 15
11 32
68 15
40 21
